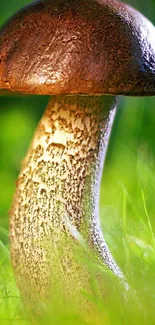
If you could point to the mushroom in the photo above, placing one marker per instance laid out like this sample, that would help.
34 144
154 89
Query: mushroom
83 53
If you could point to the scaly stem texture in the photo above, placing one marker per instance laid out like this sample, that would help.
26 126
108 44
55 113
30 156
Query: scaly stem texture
58 192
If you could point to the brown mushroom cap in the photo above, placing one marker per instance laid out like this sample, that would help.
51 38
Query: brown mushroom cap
78 47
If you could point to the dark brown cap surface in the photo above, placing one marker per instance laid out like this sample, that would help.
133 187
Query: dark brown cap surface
78 46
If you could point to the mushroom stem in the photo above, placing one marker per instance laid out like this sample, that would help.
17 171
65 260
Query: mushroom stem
58 187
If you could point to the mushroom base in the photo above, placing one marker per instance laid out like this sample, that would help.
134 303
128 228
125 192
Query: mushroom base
55 207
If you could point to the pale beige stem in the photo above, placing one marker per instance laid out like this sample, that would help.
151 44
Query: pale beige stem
58 189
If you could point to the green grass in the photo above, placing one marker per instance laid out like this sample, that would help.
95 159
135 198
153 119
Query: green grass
130 236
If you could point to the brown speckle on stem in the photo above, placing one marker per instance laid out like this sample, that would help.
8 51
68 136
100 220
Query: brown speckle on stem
57 191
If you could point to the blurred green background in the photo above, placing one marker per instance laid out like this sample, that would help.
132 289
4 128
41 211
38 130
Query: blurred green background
132 139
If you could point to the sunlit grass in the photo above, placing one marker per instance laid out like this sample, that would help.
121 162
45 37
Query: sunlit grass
130 236
10 303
